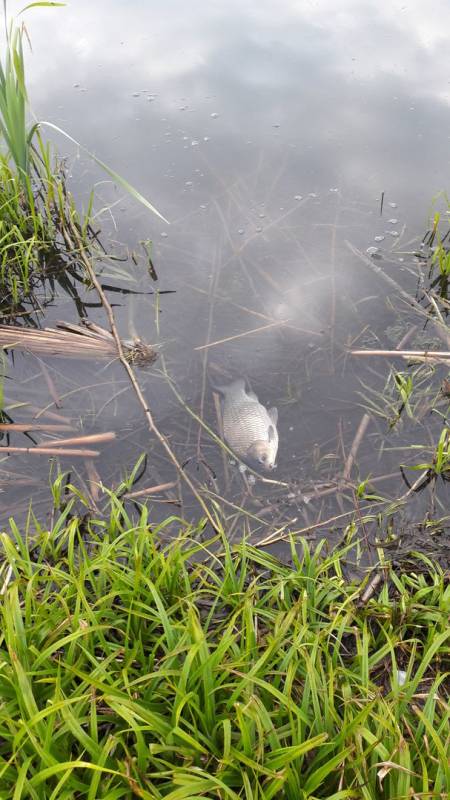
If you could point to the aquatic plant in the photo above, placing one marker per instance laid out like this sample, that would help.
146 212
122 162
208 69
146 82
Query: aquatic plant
35 205
13 104
152 662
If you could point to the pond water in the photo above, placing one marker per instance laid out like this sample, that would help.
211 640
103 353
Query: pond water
269 134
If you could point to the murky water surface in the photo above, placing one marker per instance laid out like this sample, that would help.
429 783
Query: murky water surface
266 133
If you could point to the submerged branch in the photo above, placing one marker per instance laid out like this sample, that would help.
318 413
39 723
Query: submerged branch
51 451
403 353
74 240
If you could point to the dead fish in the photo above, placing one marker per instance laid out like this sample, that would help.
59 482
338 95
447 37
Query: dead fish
249 428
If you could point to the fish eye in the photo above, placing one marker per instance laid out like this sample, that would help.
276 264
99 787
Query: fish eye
263 459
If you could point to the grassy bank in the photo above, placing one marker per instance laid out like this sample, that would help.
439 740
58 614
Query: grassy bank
134 668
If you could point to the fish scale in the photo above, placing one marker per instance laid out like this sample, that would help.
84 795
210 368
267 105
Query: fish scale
249 428
245 424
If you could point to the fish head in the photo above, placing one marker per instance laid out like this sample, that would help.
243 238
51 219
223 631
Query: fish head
263 454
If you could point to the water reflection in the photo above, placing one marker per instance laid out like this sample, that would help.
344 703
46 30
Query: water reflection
266 133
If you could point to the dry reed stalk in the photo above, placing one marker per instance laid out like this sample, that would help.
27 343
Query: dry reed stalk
50 384
93 480
362 427
271 539
23 427
74 341
370 588
56 342
163 487
241 335
128 368
51 451
91 438
422 354
44 412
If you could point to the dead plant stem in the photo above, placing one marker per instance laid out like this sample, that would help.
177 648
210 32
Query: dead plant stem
129 369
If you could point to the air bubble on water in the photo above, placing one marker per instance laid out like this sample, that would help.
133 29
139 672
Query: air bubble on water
371 251
76 86
203 206
393 221
150 98
242 468
136 94
206 138
378 238
312 194
401 259
261 216
188 183
334 190
241 231
185 138
251 479
258 229
291 427
214 115
276 125
392 205
393 233
298 197
195 142
164 235
182 108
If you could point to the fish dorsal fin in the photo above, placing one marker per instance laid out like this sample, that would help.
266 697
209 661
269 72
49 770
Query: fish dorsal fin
273 414
237 387
252 395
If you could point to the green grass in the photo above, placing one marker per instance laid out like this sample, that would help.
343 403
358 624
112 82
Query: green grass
136 665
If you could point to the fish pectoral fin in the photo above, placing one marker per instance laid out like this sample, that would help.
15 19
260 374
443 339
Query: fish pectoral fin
271 433
252 395
273 414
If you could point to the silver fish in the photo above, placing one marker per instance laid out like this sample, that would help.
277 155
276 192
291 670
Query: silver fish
249 428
